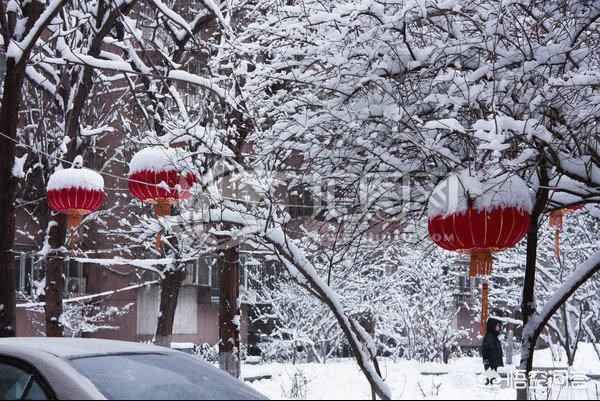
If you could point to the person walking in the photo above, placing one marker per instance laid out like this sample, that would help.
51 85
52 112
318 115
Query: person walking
491 348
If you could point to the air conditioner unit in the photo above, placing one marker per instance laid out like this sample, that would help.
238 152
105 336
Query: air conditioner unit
76 286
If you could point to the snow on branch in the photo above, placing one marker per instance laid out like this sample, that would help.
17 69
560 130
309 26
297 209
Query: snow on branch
91 297
123 67
173 16
16 49
144 264
216 11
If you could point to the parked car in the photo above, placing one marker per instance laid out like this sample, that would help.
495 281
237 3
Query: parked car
87 369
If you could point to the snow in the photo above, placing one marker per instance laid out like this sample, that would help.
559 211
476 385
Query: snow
214 9
183 345
15 49
90 297
586 359
40 79
68 56
407 379
451 124
158 159
76 178
78 347
452 195
178 19
17 170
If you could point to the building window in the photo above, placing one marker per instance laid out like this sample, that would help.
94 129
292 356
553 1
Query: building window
301 203
468 288
22 266
242 270
191 273
214 279
213 267
204 272
186 314
29 273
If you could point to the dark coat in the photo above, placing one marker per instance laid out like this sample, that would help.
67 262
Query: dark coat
491 349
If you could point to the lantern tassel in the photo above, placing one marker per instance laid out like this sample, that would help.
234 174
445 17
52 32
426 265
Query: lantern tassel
556 219
74 222
557 244
481 263
158 241
485 289
161 208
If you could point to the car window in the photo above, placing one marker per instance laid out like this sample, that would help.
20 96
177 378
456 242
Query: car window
160 377
19 383
36 392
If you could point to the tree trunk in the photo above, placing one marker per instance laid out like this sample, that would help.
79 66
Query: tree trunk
9 118
528 306
355 338
229 312
169 296
54 264
9 113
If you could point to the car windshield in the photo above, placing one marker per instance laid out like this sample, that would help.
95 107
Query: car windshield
160 377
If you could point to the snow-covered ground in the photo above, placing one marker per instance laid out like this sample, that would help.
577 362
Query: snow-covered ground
409 379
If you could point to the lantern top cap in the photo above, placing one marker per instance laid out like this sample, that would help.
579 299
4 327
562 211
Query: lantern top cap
159 159
461 191
77 177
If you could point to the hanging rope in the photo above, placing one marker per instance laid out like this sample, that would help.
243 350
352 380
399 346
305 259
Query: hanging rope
162 208
485 289
557 244
74 221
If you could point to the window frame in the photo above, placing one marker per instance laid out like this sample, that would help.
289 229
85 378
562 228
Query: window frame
34 376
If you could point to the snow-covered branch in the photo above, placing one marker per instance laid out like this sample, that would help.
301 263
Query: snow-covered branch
533 329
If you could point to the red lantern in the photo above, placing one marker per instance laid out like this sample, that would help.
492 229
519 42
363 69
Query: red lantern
480 233
495 219
162 188
75 192
160 176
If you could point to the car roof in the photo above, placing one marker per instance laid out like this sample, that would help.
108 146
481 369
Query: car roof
79 347
183 345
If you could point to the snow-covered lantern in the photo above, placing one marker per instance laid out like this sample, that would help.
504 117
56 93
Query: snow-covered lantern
76 192
159 176
479 218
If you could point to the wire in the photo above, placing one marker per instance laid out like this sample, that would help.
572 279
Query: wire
71 163
120 178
